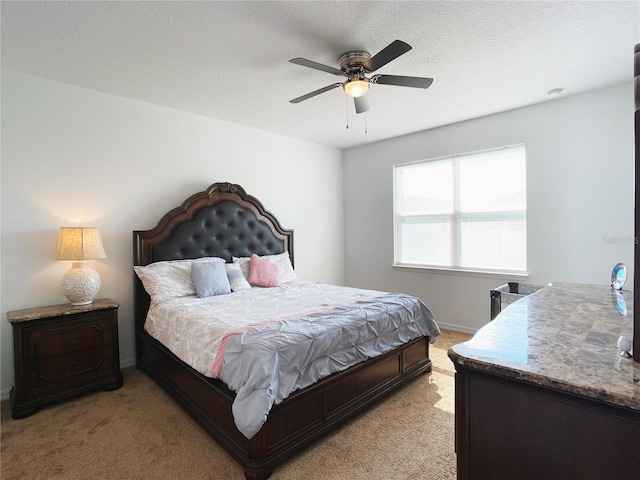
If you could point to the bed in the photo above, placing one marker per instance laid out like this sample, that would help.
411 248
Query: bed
224 222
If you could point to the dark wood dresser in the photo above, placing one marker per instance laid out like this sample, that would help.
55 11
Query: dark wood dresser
61 351
543 393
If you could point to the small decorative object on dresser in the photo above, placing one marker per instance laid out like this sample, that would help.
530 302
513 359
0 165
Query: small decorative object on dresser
80 284
61 351
618 276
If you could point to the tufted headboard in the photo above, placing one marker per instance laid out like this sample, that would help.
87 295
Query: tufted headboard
223 221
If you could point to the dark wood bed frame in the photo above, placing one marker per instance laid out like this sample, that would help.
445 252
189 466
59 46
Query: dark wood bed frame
224 221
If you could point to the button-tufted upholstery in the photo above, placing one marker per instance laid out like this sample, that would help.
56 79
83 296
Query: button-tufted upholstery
224 230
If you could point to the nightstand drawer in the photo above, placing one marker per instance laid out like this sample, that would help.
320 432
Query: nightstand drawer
57 368
50 340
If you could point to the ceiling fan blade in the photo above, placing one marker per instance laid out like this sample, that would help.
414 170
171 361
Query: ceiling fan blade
362 103
315 65
315 92
402 81
384 56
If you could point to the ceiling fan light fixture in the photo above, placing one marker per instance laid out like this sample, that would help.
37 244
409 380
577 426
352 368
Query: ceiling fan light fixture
355 65
356 88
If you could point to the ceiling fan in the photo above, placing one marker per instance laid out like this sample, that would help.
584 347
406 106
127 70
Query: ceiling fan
355 65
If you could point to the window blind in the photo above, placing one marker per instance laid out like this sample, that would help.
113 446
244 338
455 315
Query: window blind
463 212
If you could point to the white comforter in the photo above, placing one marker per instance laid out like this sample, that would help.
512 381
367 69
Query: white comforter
265 343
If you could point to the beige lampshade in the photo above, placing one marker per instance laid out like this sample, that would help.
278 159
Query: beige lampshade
80 243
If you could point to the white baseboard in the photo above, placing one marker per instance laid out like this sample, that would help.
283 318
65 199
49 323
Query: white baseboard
128 362
457 328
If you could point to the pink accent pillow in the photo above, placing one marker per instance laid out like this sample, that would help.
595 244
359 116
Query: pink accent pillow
262 272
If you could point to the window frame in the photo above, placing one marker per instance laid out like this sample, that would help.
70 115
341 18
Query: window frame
455 220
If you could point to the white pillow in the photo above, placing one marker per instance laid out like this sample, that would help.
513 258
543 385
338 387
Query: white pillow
285 269
236 278
170 279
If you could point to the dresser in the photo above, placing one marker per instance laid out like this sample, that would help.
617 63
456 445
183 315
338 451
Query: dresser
61 351
542 392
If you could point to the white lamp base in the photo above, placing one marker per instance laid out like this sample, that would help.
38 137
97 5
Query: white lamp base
80 284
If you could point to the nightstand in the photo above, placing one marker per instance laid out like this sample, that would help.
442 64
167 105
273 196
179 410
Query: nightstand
61 351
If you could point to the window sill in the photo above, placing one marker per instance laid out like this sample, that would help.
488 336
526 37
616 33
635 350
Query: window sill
462 272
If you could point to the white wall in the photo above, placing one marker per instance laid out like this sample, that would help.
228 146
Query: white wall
72 156
580 166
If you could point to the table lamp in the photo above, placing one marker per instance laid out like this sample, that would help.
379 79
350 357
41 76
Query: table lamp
81 283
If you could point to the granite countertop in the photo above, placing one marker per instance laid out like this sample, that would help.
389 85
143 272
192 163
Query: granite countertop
36 313
564 336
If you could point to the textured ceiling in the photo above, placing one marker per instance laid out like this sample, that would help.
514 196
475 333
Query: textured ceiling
229 60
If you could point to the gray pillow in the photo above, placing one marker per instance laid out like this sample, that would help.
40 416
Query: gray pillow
210 279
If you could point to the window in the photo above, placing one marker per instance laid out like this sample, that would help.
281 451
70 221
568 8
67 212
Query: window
465 212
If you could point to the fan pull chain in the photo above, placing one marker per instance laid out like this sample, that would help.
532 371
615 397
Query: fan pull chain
346 103
365 123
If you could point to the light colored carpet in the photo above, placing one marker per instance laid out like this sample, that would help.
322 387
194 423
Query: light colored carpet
138 432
